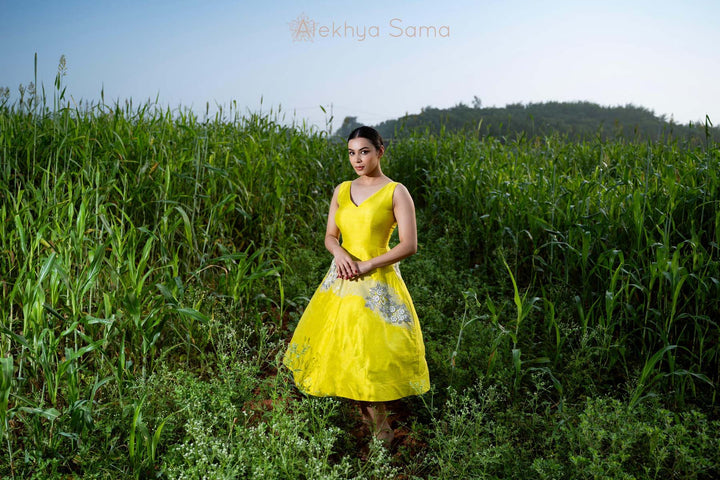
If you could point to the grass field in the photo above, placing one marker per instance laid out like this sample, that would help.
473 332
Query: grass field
153 265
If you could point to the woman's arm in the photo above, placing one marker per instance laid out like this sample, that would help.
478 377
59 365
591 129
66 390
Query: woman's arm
404 210
346 266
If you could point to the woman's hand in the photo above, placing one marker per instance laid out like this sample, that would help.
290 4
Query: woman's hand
364 267
347 268
354 270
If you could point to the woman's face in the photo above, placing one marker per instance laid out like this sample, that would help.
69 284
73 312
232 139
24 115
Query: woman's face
364 157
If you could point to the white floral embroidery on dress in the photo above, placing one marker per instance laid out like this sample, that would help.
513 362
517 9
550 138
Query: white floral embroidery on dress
380 299
330 277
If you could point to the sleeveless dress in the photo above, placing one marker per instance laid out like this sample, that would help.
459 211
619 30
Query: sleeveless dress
361 339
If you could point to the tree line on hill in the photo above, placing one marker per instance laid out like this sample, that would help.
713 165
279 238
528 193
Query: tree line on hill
576 121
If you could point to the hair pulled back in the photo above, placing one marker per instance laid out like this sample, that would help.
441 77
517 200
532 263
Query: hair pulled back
368 133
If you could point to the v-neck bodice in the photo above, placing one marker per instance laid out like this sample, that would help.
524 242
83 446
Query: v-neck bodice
366 228
369 197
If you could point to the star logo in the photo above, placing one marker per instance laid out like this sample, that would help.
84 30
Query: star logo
302 29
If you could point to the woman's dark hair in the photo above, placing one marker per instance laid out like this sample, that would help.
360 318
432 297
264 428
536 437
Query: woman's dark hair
368 133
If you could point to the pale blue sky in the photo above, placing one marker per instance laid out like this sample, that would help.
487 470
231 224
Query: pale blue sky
662 55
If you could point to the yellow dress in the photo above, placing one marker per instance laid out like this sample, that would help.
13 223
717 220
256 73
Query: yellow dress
360 338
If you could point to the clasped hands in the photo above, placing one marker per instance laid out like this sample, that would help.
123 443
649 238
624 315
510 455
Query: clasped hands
349 269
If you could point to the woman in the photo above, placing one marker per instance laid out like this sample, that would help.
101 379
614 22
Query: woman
359 337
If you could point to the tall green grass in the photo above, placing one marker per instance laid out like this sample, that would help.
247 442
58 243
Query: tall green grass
111 217
149 256
619 238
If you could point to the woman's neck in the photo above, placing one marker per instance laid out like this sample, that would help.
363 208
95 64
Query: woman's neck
373 178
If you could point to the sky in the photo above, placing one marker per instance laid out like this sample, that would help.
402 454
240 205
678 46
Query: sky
318 62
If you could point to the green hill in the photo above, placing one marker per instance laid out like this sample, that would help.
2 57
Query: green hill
573 120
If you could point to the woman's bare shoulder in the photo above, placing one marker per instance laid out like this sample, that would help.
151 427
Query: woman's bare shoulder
401 194
339 186
402 189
